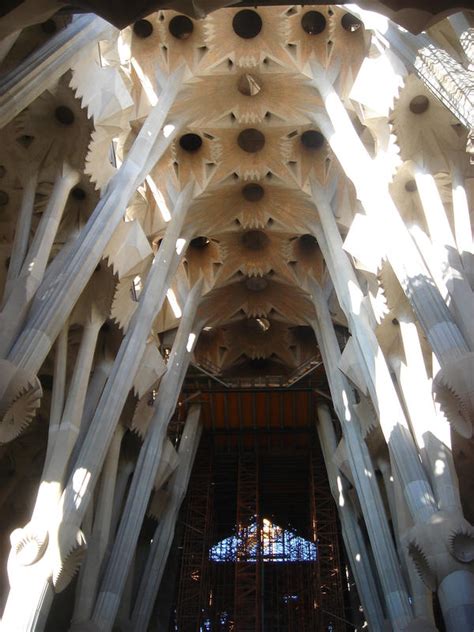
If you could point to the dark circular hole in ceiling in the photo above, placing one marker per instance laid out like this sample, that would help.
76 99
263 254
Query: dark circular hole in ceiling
410 186
254 239
247 24
350 23
190 142
307 244
78 194
199 243
4 198
312 139
419 104
313 22
143 28
49 27
253 192
256 284
181 27
251 140
64 115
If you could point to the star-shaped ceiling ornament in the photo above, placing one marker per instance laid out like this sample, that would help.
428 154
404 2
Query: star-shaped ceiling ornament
253 253
203 258
250 152
257 297
54 128
246 37
247 96
426 131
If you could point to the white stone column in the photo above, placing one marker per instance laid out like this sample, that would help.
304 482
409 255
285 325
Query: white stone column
145 472
68 430
34 554
34 536
97 544
125 470
64 526
393 588
352 535
372 190
41 70
128 359
379 381
420 592
448 551
61 292
429 529
31 274
164 534
102 369
59 389
22 232
431 431
446 253
462 222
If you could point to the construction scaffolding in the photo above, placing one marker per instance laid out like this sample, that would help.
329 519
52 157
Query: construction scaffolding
260 547
193 581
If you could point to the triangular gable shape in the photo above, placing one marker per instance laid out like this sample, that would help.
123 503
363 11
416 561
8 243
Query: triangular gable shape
276 545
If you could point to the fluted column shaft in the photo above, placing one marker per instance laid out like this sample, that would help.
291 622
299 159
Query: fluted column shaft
96 385
30 563
379 382
97 545
462 221
372 190
352 535
32 271
125 469
164 534
422 597
62 292
365 482
145 472
44 66
431 431
446 253
126 364
59 389
22 232
53 477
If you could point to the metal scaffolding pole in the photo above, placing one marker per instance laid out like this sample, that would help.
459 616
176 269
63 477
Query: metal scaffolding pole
248 568
193 591
331 600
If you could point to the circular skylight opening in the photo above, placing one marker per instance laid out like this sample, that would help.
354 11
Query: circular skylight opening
419 104
350 23
181 27
253 192
143 28
64 115
313 22
247 24
312 139
190 142
251 140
